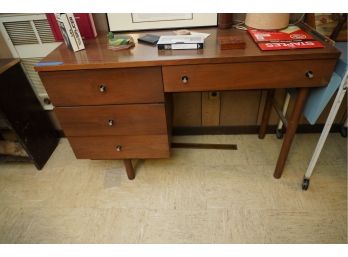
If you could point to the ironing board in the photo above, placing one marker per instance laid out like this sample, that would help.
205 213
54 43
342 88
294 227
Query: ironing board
318 100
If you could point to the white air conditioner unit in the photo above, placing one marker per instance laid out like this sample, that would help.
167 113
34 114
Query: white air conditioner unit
29 37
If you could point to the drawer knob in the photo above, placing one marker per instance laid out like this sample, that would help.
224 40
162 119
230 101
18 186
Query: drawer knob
309 74
184 79
119 148
110 123
102 88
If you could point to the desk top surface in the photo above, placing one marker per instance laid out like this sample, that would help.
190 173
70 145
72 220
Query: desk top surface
97 55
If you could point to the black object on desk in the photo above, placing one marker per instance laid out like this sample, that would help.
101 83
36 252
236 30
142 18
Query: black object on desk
23 112
149 39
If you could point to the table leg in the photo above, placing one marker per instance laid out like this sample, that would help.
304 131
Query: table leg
266 113
129 168
291 130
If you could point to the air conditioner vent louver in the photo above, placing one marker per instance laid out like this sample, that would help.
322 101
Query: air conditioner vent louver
21 32
33 76
29 37
44 31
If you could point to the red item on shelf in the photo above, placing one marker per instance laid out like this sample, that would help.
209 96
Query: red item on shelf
54 26
84 22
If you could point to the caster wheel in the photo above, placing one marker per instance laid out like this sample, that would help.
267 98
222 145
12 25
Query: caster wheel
343 131
305 184
279 133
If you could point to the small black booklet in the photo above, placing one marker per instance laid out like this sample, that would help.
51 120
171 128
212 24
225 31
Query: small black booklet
149 39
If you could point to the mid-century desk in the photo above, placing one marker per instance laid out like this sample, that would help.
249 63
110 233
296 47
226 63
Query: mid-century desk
116 104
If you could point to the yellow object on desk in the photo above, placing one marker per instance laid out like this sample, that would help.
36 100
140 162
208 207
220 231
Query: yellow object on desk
119 42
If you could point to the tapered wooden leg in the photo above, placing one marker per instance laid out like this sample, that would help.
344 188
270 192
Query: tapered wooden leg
266 113
290 131
129 168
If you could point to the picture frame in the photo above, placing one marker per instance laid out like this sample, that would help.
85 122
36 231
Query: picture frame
147 21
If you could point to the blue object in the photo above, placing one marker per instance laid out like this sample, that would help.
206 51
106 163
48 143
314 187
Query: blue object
319 97
48 63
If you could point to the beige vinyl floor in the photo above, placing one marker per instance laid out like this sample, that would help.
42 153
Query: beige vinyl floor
197 196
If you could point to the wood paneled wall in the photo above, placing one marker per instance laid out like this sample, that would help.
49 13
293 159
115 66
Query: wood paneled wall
233 108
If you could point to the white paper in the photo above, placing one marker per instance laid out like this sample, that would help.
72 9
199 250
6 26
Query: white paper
205 35
184 39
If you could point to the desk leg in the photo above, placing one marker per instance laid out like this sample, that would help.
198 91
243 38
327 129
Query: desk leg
291 130
266 113
129 168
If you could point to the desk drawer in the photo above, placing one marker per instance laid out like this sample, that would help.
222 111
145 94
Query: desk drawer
281 74
120 147
135 119
104 86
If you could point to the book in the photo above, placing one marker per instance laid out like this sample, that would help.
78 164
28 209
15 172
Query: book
84 22
75 31
52 21
64 29
180 42
86 25
292 37
69 31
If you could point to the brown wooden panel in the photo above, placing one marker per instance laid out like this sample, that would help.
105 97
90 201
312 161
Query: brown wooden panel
149 146
134 85
187 109
136 119
210 109
22 110
283 74
6 64
4 50
239 107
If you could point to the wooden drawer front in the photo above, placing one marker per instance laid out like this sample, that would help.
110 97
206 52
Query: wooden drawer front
151 146
136 119
104 86
282 74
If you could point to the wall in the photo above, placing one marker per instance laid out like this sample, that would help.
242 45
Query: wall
100 22
4 50
234 108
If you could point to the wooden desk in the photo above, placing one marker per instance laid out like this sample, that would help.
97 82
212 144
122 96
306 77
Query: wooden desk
115 105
